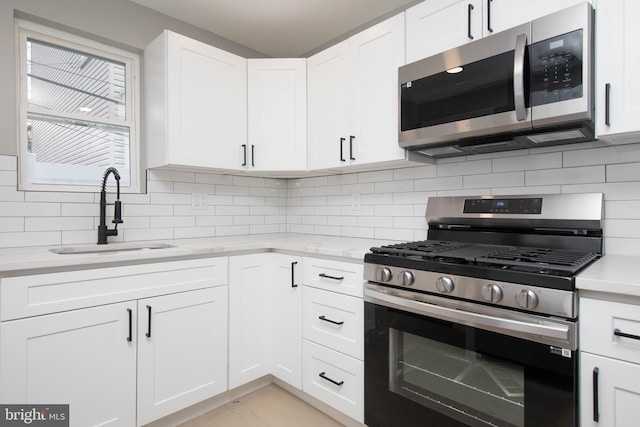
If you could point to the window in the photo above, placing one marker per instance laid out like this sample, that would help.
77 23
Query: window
78 111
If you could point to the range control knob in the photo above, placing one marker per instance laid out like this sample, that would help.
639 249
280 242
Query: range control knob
406 278
526 298
384 274
445 284
491 292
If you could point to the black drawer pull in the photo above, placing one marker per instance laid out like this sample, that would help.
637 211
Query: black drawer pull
326 276
293 280
130 337
617 332
149 322
323 317
324 377
596 412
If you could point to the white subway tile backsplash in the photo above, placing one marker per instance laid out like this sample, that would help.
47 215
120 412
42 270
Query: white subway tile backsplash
58 223
623 172
528 162
388 204
471 167
577 175
11 224
9 178
8 163
377 176
505 179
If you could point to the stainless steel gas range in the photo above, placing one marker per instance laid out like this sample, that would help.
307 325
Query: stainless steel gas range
477 325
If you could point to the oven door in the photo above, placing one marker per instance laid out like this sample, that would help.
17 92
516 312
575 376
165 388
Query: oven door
420 370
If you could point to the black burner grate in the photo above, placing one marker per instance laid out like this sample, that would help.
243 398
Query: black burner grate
556 259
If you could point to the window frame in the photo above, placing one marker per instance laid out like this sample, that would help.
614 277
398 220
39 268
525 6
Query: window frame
26 29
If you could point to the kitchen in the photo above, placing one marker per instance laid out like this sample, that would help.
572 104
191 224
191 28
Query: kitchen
386 204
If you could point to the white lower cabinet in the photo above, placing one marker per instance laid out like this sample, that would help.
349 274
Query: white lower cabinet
83 358
182 351
609 363
610 392
334 378
99 359
287 335
333 334
265 303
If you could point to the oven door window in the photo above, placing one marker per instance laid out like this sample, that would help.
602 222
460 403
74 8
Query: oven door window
469 384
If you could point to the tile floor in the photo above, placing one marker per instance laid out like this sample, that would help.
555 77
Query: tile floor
270 406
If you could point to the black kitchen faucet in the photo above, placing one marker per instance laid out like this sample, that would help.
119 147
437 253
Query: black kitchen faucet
103 231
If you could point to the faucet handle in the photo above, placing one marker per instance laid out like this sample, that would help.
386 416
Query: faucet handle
117 212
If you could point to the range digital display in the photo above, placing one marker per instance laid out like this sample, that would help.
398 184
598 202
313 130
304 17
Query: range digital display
503 206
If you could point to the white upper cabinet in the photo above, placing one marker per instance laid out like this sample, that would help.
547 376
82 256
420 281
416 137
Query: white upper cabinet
196 104
328 106
353 99
617 86
277 91
437 25
375 55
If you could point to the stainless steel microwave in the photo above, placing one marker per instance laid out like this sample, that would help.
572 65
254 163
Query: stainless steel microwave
528 86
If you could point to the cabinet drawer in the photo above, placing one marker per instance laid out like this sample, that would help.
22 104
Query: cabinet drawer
601 326
334 378
333 320
37 294
338 276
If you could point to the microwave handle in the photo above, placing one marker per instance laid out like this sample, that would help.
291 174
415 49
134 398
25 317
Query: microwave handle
518 77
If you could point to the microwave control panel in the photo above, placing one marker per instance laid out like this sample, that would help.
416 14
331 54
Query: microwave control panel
556 68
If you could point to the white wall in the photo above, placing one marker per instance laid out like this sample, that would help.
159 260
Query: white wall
391 203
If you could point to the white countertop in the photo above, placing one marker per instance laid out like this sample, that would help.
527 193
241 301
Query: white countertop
614 274
20 260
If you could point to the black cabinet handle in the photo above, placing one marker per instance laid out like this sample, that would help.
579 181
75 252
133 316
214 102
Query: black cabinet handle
326 276
149 322
244 149
470 8
489 16
596 412
130 337
253 156
323 318
293 280
325 377
351 138
617 332
607 104
342 159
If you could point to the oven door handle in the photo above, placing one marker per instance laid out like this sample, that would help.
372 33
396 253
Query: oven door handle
547 332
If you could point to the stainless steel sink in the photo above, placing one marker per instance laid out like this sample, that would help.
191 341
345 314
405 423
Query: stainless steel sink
110 248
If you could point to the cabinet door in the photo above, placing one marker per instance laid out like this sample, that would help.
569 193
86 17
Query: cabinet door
250 318
437 25
375 55
500 15
616 40
207 104
182 351
287 333
328 107
85 358
618 392
277 90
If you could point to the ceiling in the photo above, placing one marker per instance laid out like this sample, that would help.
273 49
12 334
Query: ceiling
278 28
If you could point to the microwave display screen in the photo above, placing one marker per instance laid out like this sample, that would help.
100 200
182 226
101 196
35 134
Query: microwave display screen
556 69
